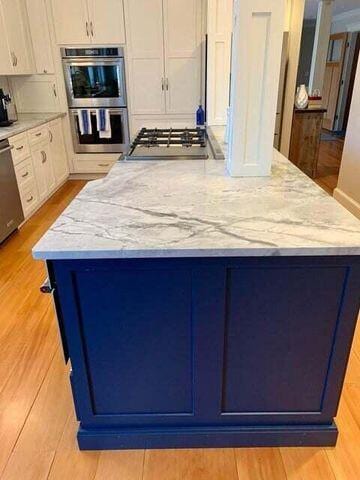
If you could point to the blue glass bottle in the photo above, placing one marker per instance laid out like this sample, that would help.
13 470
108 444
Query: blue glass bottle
200 116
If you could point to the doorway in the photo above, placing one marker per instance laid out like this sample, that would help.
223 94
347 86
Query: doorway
330 45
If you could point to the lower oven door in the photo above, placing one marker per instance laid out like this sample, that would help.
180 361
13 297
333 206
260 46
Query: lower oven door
93 143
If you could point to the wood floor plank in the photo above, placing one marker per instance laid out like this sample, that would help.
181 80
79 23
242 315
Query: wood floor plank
345 457
35 449
126 465
260 464
201 464
69 462
307 464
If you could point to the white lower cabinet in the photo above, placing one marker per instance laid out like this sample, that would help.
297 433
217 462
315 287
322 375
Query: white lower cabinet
58 152
44 170
40 163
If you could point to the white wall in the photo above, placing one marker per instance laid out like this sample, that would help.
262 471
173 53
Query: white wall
348 189
219 29
346 22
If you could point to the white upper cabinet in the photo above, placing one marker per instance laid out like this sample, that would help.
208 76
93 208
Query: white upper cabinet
15 33
164 55
81 22
71 20
146 56
107 21
40 35
5 59
182 33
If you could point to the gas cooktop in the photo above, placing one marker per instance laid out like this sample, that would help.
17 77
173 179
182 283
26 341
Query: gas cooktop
169 144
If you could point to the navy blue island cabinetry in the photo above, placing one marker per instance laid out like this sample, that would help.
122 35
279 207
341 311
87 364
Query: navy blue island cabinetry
200 310
206 352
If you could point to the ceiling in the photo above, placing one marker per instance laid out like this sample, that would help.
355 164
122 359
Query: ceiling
340 6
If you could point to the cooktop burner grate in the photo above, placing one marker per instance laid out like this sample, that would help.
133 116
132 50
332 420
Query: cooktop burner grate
185 137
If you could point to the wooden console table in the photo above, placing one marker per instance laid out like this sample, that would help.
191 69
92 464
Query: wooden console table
305 139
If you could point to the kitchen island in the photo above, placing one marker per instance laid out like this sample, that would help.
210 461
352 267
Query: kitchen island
200 310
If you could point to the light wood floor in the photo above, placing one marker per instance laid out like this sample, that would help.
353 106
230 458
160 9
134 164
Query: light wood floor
329 164
37 424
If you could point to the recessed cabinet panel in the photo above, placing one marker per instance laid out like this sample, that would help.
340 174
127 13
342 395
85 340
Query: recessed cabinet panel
145 331
58 151
183 85
71 21
40 36
181 27
147 93
107 21
279 338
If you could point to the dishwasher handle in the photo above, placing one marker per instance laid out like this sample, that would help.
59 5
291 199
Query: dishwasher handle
6 149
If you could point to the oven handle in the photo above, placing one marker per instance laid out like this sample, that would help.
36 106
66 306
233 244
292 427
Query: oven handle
117 111
98 63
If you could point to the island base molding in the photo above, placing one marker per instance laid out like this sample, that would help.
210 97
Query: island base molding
232 437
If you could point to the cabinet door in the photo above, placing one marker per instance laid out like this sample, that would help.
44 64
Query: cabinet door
71 21
17 35
58 152
144 19
44 171
40 35
182 33
107 21
40 172
5 60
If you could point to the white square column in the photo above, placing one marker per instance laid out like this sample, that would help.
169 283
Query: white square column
255 71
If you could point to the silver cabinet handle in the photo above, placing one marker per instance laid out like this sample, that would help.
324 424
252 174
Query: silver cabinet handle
54 90
38 134
44 157
51 136
25 175
16 60
20 148
167 84
30 199
12 58
162 84
87 29
92 28
44 71
103 164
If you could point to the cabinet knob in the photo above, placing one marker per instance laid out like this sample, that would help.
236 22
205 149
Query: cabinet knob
44 158
30 199
25 175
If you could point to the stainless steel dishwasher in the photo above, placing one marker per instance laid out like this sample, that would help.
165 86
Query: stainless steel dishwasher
11 213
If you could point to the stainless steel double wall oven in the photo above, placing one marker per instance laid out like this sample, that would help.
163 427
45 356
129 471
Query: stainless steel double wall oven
95 79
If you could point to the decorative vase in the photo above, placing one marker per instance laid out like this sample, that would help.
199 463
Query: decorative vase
302 98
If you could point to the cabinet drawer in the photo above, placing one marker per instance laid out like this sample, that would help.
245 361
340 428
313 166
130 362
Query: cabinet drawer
24 171
93 166
29 197
38 135
21 148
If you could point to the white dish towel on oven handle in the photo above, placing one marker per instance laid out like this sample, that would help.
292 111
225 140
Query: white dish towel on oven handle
103 123
84 117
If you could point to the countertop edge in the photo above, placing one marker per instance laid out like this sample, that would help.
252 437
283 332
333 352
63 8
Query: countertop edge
18 129
196 253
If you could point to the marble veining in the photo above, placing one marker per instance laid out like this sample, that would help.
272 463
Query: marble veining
193 208
27 121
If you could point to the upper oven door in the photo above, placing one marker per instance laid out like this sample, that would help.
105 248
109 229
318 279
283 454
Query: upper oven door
98 83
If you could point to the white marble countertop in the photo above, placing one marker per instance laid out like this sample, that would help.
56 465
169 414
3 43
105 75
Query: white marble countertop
193 208
26 121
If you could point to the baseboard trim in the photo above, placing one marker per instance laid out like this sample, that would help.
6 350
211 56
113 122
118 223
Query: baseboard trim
208 437
349 203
